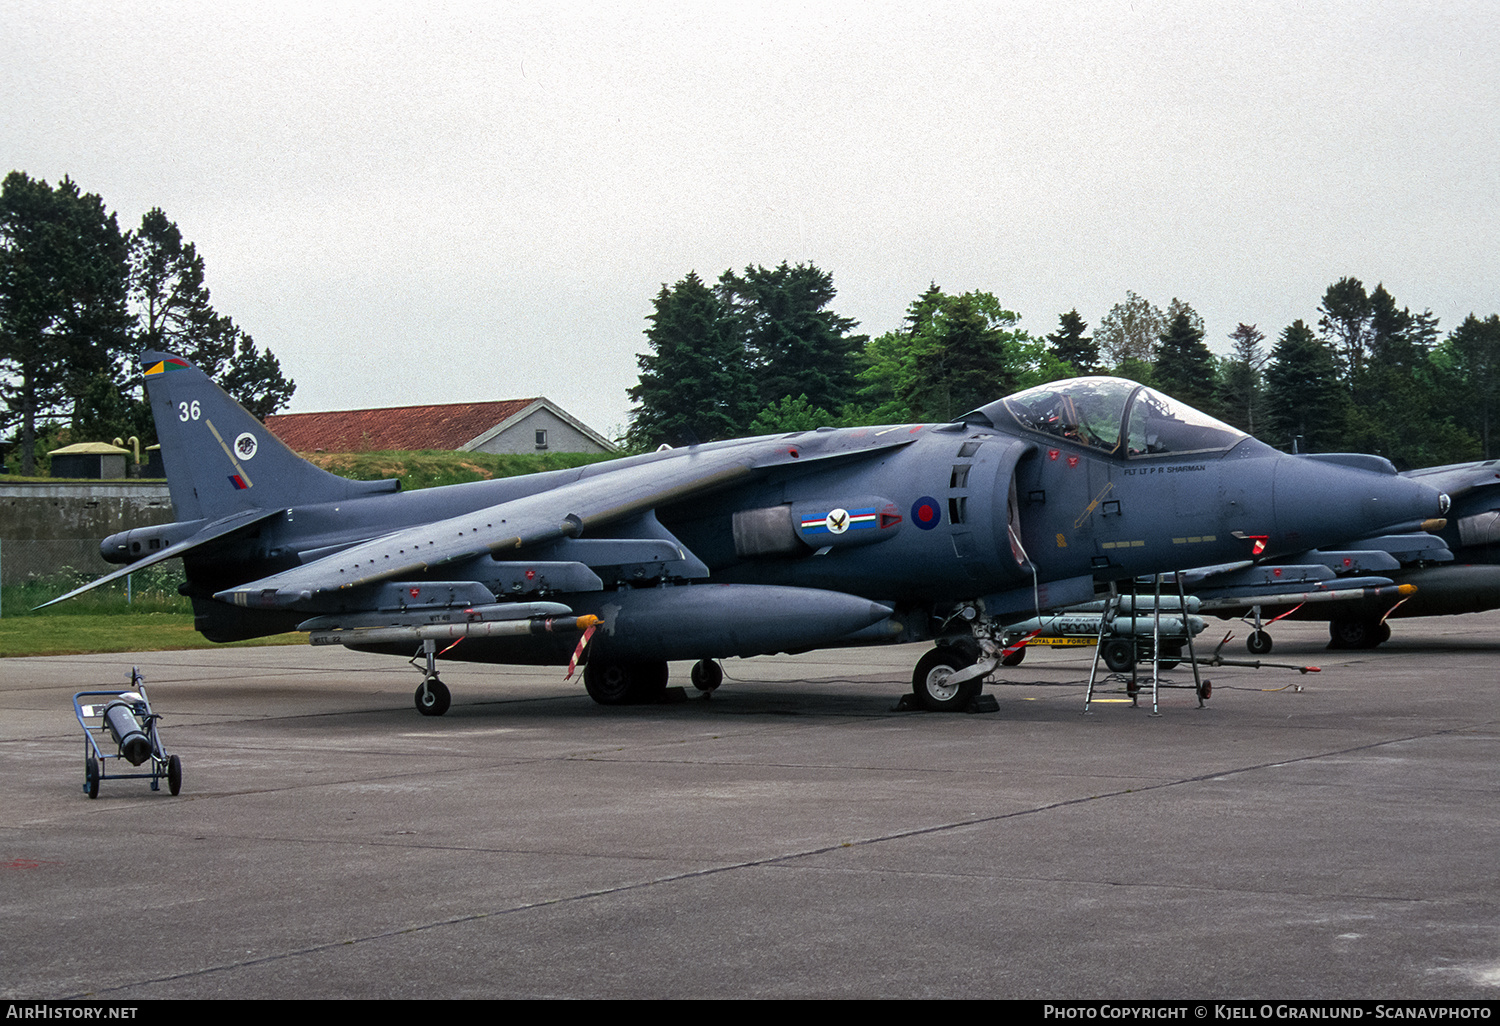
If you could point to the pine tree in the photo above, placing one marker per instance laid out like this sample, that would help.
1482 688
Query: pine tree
796 345
953 354
174 313
1304 399
695 385
171 302
1345 325
63 315
1472 352
1240 386
1070 345
1184 366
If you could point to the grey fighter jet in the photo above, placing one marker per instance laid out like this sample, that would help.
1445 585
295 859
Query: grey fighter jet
1454 569
909 532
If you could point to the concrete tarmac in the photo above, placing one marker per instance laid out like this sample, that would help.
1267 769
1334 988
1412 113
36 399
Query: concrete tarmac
793 837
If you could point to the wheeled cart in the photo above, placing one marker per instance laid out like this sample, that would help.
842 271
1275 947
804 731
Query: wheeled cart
123 720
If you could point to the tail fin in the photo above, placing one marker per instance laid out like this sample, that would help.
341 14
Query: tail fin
221 460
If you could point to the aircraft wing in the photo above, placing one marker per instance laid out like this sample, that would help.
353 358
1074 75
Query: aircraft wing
567 511
1475 491
212 532
1459 479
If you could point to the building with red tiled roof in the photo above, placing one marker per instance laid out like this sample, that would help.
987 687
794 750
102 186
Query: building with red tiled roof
509 425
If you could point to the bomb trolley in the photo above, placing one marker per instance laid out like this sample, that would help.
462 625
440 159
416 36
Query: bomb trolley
125 722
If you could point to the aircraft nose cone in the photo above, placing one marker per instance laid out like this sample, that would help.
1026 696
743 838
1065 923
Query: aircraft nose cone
1320 503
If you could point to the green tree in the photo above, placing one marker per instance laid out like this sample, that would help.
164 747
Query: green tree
63 313
1345 325
1472 355
696 383
1071 346
171 302
1240 378
1184 366
174 313
788 414
796 345
953 354
1402 407
1128 334
885 369
253 375
1304 399
107 410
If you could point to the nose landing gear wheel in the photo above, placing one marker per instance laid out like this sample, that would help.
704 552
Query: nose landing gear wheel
433 697
929 682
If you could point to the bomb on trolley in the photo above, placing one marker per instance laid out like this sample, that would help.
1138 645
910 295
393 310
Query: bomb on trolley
120 725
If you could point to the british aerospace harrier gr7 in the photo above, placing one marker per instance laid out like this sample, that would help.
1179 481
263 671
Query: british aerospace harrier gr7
908 532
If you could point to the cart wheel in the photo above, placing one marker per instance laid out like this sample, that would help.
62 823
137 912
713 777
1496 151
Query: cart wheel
91 776
174 774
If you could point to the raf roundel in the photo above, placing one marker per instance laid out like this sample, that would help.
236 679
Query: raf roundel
245 446
926 513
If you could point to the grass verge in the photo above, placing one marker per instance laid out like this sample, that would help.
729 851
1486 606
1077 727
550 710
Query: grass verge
112 632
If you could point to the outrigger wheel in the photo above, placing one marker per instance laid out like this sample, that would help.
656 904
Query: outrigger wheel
707 675
432 698
1258 643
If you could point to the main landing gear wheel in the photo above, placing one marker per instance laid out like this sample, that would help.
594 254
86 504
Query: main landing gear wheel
929 682
1354 633
174 775
612 683
1119 655
91 776
433 697
707 675
1258 643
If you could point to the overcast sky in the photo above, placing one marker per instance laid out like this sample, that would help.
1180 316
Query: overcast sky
434 202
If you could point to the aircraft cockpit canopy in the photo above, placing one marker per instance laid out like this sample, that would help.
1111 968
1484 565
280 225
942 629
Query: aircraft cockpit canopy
1118 417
